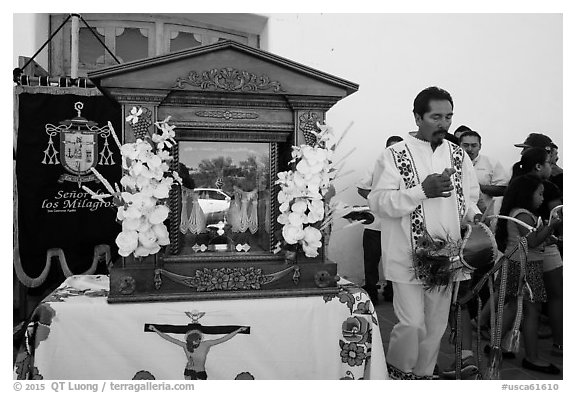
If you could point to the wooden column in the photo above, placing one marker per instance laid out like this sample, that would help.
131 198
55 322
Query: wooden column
74 58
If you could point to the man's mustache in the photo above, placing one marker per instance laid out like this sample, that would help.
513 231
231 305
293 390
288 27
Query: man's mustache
440 132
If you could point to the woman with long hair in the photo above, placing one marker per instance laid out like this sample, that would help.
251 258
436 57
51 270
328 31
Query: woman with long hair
537 162
522 200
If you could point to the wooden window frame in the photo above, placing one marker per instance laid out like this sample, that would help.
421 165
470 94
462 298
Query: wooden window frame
159 27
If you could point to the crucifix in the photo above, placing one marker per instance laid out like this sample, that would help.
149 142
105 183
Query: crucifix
195 325
195 347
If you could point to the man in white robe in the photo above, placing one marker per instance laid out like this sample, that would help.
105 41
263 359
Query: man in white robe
424 183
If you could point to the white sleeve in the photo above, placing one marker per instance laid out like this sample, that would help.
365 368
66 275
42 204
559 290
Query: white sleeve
365 182
389 197
471 188
500 177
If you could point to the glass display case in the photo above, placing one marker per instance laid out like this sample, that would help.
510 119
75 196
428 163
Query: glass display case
225 197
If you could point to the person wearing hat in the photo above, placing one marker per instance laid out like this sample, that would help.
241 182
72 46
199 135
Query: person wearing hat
536 140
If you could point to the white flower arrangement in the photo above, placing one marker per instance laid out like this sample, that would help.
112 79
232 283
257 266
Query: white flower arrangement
147 180
305 192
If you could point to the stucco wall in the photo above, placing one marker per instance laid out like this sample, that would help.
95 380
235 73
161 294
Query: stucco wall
30 32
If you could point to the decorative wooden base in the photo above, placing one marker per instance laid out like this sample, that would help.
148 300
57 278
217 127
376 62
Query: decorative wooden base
174 281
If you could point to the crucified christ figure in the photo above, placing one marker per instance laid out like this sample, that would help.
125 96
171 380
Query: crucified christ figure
196 349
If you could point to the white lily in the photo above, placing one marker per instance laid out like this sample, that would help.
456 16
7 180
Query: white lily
134 114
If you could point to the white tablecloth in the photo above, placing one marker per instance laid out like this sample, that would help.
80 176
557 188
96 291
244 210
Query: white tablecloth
75 334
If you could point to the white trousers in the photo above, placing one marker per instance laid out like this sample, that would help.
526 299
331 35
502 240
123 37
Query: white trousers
422 320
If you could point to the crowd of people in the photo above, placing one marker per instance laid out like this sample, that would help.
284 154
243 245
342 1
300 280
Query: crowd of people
429 185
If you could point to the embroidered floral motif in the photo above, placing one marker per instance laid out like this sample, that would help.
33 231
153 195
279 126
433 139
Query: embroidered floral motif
329 297
356 300
60 294
347 298
356 329
457 154
356 345
417 219
366 308
352 353
405 165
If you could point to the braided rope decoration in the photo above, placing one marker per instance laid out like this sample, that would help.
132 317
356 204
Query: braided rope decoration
175 196
273 194
495 357
513 340
492 312
458 341
478 332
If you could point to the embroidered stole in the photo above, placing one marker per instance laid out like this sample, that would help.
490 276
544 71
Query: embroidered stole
404 162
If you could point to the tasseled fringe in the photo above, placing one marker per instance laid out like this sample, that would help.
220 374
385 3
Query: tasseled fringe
453 324
478 330
62 81
512 341
454 309
458 341
492 372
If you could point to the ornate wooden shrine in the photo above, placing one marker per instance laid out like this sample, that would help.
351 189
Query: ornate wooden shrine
237 111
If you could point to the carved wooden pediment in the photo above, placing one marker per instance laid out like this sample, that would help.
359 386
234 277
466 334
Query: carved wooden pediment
228 79
225 66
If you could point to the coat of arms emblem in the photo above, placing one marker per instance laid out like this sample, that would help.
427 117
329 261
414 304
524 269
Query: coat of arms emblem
78 147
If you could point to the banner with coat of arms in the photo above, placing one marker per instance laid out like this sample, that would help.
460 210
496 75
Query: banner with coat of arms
59 138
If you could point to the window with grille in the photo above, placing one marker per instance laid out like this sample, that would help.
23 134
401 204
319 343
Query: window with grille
132 37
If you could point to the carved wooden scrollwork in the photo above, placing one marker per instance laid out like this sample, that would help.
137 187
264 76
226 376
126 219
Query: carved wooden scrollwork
228 79
227 115
174 205
226 279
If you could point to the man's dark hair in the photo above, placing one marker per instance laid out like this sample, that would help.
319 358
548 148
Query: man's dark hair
422 100
462 128
469 133
393 139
